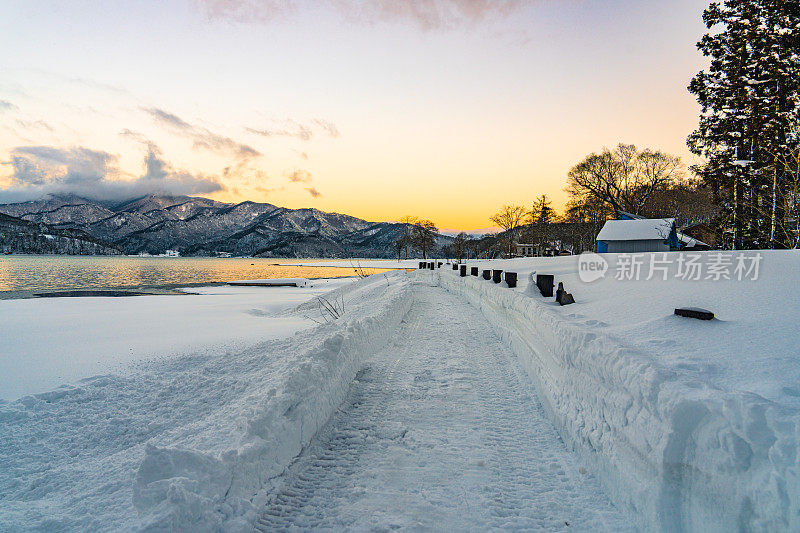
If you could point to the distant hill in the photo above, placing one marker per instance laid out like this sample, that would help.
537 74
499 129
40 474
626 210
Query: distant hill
25 237
200 226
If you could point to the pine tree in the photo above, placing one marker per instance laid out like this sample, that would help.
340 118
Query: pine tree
750 99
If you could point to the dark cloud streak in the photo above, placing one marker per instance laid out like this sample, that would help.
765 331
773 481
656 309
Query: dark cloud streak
300 176
202 137
5 105
291 128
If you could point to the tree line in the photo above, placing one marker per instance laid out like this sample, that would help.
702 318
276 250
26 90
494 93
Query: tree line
626 179
749 126
747 190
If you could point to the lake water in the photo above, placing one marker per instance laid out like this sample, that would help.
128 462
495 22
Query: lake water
63 272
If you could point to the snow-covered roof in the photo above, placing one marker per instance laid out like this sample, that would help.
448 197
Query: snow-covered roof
636 230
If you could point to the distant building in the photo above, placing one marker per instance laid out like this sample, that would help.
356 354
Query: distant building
534 250
525 250
638 235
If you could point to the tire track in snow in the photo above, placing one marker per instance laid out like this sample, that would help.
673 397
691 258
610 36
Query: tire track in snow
440 429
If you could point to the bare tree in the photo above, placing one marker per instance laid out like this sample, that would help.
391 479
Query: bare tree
423 236
459 245
509 218
407 222
399 245
624 179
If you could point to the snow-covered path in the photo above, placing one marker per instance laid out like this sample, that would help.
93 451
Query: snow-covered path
440 430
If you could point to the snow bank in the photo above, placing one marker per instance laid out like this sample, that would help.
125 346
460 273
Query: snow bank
191 442
679 451
178 488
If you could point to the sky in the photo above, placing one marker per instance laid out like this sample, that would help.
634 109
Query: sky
442 109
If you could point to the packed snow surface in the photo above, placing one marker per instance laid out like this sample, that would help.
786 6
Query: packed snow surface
48 342
690 425
440 430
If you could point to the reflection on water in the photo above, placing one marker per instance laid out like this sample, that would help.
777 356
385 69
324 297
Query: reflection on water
59 272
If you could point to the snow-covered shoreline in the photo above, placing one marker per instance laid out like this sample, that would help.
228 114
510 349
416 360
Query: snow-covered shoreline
187 442
50 342
679 449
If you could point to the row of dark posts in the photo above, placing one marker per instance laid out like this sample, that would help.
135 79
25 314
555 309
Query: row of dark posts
544 282
494 275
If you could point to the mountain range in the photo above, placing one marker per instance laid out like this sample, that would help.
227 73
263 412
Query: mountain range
202 227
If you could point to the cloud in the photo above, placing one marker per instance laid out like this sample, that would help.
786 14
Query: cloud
313 192
329 127
34 125
301 132
292 128
300 176
425 14
42 170
5 105
167 118
202 137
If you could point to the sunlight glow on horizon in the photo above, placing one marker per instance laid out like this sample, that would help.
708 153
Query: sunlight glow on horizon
379 119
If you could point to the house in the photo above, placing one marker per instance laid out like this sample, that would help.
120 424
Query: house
536 250
689 238
525 250
638 235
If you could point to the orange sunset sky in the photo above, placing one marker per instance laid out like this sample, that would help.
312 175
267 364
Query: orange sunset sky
444 109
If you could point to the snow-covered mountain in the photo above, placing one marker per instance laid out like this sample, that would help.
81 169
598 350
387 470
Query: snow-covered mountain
200 226
23 236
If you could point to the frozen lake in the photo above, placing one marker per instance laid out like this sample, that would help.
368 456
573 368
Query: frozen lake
62 272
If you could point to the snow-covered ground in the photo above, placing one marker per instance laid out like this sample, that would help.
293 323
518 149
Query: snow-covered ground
49 342
690 424
409 411
441 430
189 441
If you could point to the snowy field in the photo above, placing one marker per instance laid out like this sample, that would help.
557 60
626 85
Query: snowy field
188 441
49 342
415 405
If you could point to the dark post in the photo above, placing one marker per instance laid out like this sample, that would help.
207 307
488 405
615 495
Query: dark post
487 274
430 266
474 271
463 271
455 266
511 279
421 264
439 264
497 276
545 284
695 312
562 296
